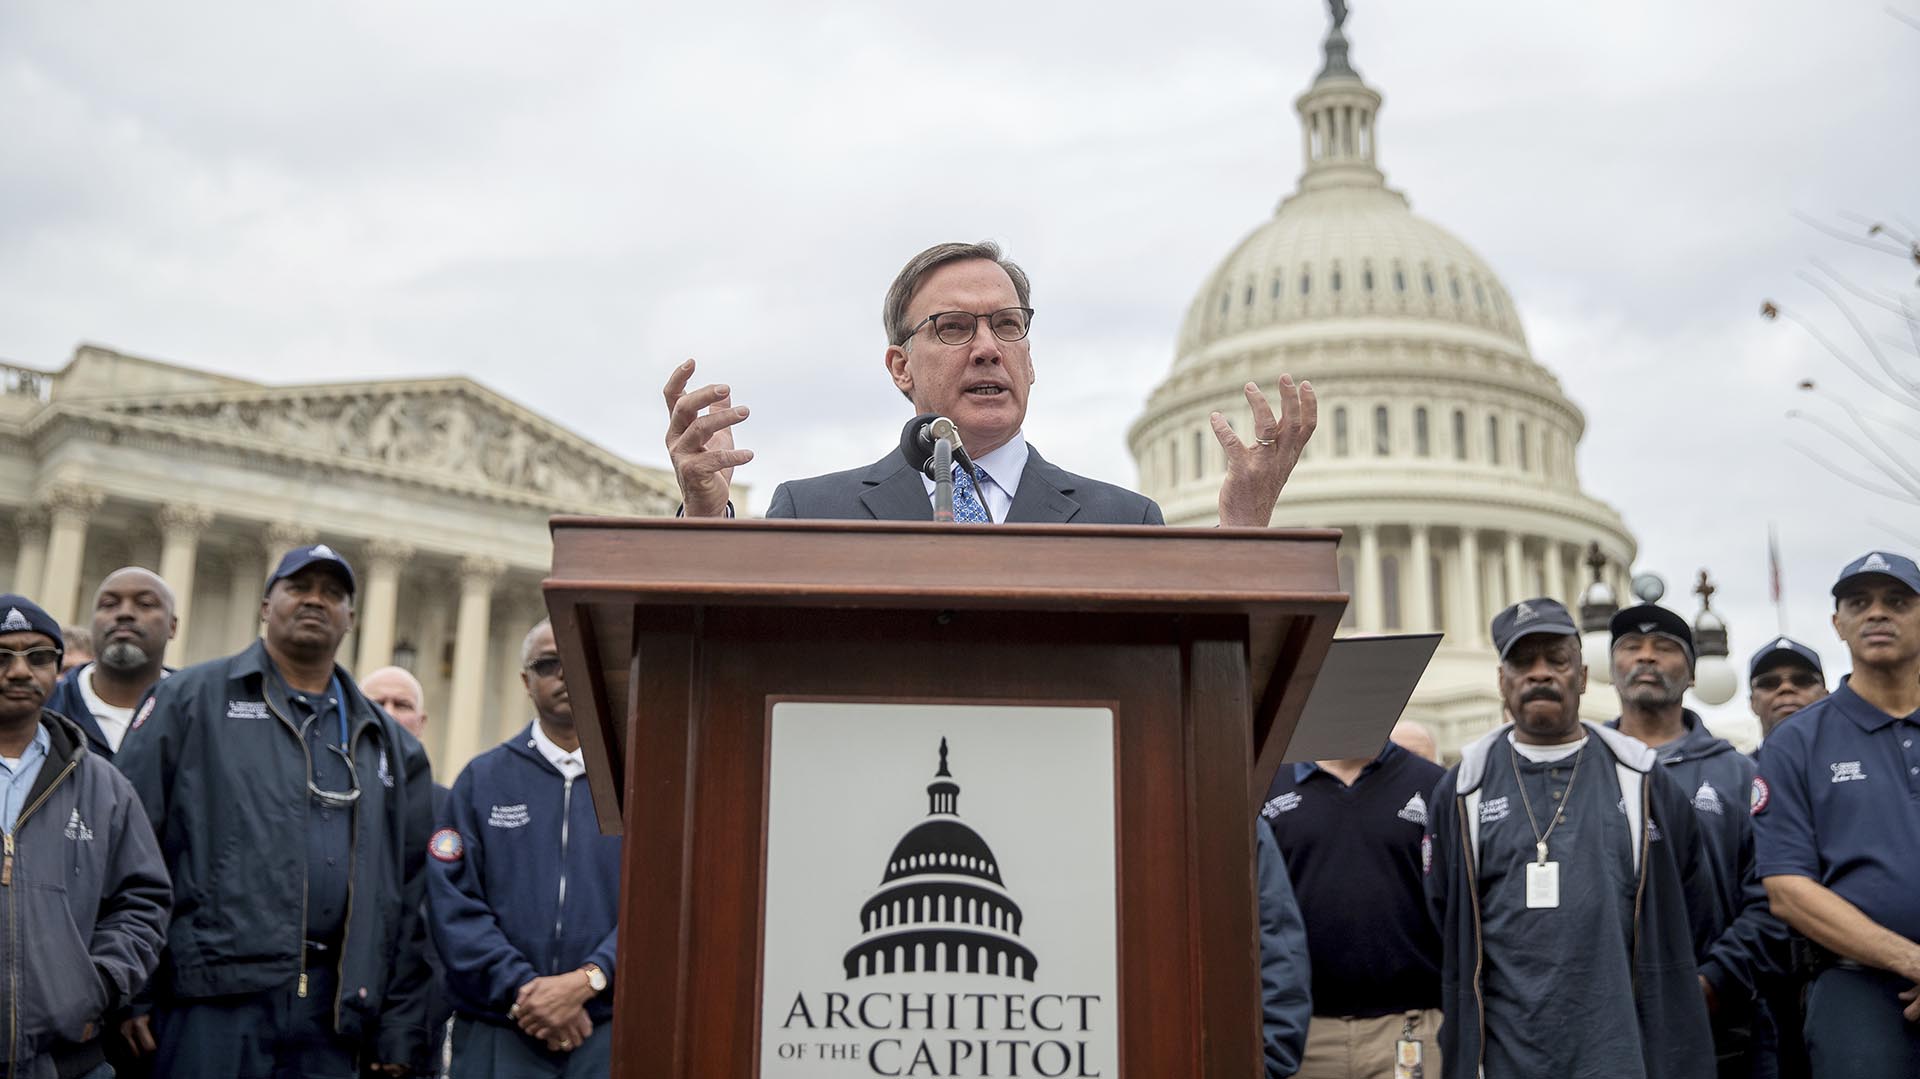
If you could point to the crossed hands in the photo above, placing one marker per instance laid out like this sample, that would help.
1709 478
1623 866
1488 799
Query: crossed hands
553 1009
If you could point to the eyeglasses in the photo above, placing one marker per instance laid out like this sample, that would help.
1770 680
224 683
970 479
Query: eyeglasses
958 327
1767 683
545 666
35 657
333 799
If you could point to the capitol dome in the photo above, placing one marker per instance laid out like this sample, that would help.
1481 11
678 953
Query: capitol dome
941 906
1445 451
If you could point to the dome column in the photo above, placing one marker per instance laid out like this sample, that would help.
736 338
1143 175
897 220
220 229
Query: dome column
1573 583
1472 631
1418 596
1366 581
1516 568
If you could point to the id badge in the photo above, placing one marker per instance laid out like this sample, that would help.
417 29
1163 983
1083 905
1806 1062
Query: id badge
1543 885
1407 1062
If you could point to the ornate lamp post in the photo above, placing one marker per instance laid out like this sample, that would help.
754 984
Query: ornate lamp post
1597 607
1714 679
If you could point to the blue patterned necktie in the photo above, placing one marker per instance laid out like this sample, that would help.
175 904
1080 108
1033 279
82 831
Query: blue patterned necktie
966 501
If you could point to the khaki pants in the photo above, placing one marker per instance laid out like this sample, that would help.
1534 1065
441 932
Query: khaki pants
1363 1048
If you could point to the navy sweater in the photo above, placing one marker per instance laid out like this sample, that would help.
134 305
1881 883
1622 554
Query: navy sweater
514 834
1353 854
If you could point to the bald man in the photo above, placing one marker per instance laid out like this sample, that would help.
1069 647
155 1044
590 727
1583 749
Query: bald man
133 619
398 691
1416 738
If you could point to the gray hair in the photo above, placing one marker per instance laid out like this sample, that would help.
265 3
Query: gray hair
893 313
526 643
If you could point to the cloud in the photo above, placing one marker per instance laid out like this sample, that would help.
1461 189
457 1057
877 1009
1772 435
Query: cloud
564 202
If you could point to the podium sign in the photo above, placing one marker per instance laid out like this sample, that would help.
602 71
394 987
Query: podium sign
940 891
762 706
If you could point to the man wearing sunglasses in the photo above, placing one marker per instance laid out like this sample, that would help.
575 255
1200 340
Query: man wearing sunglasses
1783 678
957 320
294 814
524 894
83 890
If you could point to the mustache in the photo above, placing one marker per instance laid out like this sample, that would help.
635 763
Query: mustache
1542 693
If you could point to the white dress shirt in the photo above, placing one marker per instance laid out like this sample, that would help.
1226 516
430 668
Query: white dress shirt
999 475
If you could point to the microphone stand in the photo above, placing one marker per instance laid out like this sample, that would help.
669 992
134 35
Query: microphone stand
943 481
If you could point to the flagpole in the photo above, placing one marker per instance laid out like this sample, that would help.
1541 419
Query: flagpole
1773 576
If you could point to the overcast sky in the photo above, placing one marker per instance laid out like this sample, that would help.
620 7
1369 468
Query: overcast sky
563 201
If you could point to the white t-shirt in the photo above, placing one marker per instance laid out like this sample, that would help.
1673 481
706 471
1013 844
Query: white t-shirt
113 720
1539 754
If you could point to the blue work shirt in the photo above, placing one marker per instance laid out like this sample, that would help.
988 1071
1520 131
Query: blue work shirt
329 828
1838 800
16 782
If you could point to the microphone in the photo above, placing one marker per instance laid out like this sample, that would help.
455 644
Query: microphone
917 442
931 443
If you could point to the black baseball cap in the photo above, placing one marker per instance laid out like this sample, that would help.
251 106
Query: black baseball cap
18 614
1651 619
1783 650
313 554
1880 564
1528 617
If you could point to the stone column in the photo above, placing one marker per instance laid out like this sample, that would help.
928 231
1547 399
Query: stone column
467 713
247 574
1574 574
1474 626
1516 569
1417 585
68 509
279 538
180 529
1366 580
380 603
30 564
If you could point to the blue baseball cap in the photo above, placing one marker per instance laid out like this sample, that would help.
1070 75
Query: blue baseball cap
1783 650
18 614
1880 564
312 555
1529 617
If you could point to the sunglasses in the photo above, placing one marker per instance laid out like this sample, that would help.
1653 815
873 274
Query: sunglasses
1767 683
545 666
42 658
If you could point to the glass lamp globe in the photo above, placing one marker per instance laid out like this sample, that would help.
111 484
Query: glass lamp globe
1714 680
1596 651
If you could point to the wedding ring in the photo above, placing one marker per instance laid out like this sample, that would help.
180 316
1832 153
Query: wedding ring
566 1043
1266 441
513 1012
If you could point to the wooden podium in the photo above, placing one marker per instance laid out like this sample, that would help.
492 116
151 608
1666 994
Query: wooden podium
675 634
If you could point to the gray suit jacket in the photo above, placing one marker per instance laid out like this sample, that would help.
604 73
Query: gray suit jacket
890 490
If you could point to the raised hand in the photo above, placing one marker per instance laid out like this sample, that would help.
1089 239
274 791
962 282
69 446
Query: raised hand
1257 470
700 441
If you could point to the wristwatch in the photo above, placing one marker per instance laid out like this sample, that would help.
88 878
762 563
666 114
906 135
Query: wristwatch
596 978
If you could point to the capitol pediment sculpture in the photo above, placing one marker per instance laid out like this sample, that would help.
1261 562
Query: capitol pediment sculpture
448 429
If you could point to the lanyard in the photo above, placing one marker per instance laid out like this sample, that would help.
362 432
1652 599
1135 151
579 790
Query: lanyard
340 705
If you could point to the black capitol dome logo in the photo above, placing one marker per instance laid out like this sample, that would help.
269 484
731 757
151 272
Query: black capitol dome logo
941 907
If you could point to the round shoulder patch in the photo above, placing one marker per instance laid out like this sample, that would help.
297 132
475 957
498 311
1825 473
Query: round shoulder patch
1758 797
446 845
145 711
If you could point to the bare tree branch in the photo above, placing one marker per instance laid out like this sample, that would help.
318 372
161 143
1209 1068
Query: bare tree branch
1885 492
1893 472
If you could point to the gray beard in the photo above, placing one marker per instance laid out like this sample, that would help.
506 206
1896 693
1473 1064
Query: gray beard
1656 696
122 656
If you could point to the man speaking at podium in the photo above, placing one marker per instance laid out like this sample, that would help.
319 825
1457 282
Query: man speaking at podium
956 320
